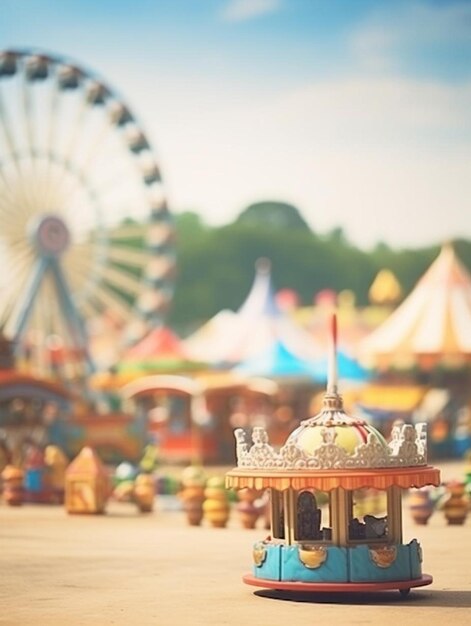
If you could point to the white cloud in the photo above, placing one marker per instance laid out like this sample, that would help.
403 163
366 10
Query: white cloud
241 10
385 157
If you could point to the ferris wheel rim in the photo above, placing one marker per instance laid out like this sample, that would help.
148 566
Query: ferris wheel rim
157 279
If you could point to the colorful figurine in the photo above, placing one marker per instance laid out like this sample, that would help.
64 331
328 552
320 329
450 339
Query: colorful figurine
421 505
13 491
249 507
87 484
192 493
467 473
56 464
144 492
216 506
329 459
36 487
456 505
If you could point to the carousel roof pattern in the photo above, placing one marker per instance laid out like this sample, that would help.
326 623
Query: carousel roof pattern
432 325
331 464
333 449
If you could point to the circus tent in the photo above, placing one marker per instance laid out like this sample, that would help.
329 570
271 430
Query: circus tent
277 362
160 342
210 340
160 351
433 324
256 326
280 363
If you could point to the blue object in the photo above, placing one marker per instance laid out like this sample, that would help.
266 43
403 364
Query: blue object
280 361
361 563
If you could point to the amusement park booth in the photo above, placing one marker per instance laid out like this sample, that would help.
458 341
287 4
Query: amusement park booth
31 407
321 539
190 418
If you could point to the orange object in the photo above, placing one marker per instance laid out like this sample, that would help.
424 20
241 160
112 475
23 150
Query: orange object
56 463
192 493
87 484
216 507
13 492
456 507
248 511
144 492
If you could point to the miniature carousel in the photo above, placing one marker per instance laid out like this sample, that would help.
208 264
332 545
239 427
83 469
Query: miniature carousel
321 539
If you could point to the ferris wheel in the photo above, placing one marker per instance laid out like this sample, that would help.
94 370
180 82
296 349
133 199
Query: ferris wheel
84 226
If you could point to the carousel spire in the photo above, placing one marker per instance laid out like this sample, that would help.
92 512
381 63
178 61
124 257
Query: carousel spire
332 373
332 399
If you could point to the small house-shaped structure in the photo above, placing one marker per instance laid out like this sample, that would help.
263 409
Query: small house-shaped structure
320 539
87 484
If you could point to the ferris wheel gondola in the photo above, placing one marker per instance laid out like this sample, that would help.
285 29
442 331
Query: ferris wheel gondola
85 225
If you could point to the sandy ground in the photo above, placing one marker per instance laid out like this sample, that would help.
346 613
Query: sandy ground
125 568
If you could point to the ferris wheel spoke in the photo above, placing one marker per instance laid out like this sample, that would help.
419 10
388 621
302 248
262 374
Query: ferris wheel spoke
9 205
128 231
128 256
53 116
9 141
83 270
90 309
76 131
96 148
108 299
112 183
12 295
127 283
27 117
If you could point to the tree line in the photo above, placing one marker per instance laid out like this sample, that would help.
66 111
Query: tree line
216 264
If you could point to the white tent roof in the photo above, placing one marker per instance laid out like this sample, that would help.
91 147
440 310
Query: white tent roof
232 337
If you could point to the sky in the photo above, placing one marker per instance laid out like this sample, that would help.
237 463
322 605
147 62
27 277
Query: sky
358 112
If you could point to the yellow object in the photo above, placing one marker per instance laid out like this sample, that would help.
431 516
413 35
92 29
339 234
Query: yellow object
383 556
313 557
144 492
57 463
385 288
259 554
87 484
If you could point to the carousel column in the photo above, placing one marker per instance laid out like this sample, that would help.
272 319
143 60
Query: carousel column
343 500
289 507
394 498
339 516
276 521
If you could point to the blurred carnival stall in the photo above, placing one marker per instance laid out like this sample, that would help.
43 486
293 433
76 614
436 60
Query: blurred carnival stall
426 341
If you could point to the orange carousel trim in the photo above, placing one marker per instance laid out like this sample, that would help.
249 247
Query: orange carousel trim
326 480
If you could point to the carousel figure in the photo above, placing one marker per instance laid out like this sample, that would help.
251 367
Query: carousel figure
320 539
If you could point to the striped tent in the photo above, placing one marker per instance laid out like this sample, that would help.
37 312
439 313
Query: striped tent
433 324
253 329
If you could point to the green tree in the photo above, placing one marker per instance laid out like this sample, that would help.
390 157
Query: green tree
272 214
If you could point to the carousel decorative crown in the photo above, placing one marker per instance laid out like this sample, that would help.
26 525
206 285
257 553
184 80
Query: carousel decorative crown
334 440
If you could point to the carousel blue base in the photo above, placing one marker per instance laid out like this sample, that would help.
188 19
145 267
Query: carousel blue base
355 564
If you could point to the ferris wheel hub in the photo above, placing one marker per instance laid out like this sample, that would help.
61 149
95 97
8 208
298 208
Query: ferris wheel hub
50 235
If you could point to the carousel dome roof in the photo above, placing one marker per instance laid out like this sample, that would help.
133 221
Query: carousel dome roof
333 449
333 425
